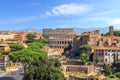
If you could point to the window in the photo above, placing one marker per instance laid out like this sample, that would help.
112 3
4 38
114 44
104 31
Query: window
112 54
102 50
101 60
101 53
68 69
105 54
105 60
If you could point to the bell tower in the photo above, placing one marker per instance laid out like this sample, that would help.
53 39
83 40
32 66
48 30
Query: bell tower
111 30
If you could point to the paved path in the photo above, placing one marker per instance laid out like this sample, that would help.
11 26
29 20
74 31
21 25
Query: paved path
13 75
3 73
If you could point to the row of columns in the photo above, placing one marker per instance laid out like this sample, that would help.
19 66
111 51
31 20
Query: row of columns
59 42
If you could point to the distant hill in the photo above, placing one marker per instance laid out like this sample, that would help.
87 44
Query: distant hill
77 30
28 30
81 30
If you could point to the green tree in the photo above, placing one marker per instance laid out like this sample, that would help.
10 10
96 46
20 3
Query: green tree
107 70
33 46
116 33
15 47
56 62
5 52
86 47
112 76
84 57
0 54
44 70
30 37
106 34
91 78
117 74
27 57
36 45
117 64
97 60
43 40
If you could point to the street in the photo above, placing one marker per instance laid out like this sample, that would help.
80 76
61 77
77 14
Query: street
13 75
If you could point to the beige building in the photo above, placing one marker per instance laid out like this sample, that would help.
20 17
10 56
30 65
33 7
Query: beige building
4 47
106 54
4 35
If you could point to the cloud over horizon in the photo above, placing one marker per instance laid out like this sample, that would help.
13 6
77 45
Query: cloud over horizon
68 9
64 9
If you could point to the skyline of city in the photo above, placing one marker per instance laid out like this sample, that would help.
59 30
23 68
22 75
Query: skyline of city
38 14
59 40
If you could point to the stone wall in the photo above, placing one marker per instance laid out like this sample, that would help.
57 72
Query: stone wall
88 69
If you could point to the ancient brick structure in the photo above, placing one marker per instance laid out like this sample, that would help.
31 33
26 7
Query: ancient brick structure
90 38
95 39
88 69
103 46
59 38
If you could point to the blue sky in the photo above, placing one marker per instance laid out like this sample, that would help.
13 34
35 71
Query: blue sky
39 14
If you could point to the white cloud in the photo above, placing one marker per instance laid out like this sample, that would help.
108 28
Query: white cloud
103 13
68 9
65 9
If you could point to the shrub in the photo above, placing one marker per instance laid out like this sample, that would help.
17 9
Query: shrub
117 74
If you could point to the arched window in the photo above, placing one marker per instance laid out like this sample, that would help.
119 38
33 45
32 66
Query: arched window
105 54
68 69
106 60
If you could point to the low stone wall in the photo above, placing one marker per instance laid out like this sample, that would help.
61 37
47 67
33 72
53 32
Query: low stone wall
86 69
